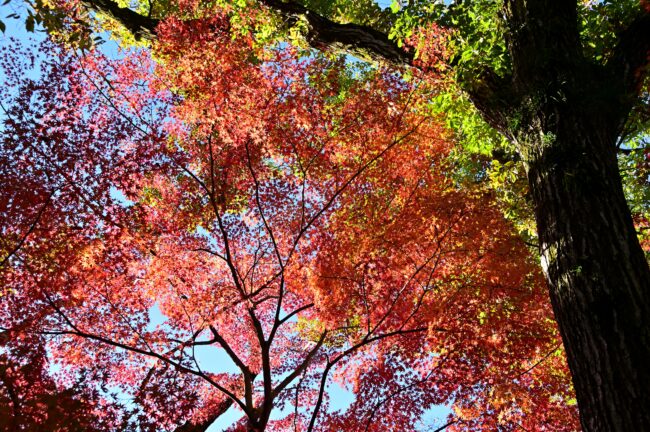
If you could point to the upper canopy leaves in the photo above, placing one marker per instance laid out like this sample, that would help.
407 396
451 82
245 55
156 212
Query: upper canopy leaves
296 213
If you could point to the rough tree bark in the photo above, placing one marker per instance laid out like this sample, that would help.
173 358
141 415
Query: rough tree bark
565 115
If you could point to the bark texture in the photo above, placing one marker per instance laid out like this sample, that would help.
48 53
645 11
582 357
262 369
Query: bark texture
598 277
565 115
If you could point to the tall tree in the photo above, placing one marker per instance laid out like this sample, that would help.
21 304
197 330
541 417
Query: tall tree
260 200
570 81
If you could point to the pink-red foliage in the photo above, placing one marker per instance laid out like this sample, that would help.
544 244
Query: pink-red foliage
293 212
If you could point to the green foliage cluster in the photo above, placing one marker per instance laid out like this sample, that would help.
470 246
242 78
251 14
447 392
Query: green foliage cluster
600 22
634 166
477 42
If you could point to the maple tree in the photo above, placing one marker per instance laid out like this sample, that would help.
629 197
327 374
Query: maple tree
565 83
298 213
32 401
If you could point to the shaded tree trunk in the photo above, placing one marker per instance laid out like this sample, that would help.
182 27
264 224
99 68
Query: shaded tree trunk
598 277
565 113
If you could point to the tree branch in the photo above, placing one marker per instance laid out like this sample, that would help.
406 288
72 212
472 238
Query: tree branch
205 424
361 41
140 26
493 96
631 56
303 366
29 231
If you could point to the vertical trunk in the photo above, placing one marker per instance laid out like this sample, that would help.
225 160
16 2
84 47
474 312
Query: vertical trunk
598 276
564 112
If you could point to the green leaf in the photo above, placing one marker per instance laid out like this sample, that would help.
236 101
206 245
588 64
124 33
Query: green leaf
3 27
29 24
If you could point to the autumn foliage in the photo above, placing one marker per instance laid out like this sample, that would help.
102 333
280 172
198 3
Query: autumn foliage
298 213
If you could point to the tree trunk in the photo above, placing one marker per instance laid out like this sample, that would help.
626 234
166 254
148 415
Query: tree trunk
565 113
598 277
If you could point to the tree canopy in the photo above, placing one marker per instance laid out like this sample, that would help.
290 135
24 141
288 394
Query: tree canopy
313 217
